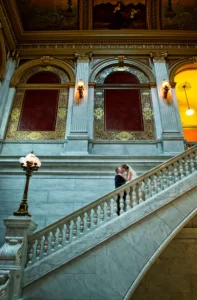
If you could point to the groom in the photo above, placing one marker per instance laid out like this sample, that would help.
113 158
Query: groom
119 181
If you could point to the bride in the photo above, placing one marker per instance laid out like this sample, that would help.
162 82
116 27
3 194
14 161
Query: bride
130 174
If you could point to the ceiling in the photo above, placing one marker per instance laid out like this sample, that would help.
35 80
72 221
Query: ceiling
47 14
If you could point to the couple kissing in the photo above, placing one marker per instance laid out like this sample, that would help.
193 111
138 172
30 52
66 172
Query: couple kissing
124 174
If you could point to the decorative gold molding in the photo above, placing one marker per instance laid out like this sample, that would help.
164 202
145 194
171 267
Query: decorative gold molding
83 57
3 55
159 56
112 62
38 62
181 65
121 60
101 134
42 86
59 134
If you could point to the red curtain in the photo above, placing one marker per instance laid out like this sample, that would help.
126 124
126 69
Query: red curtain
39 109
123 110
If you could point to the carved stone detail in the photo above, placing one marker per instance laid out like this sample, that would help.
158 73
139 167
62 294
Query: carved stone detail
11 250
14 54
4 284
104 73
159 56
46 59
83 57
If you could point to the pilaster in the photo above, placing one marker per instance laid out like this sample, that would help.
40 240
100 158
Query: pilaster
7 94
171 132
78 134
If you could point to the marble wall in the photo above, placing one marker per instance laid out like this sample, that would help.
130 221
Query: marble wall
174 274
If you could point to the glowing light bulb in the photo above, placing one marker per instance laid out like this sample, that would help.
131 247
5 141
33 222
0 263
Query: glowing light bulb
189 112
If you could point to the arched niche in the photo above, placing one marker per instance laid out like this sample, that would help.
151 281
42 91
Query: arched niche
140 87
40 106
132 63
42 63
184 73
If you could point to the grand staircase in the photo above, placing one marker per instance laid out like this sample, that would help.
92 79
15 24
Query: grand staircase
95 254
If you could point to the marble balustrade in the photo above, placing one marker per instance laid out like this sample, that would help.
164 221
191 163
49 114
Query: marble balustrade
66 230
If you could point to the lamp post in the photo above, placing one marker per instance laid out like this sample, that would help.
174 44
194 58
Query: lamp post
30 163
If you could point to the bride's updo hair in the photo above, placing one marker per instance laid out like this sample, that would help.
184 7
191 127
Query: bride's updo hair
125 166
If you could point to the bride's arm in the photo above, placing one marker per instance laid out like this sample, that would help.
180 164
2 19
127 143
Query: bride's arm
129 176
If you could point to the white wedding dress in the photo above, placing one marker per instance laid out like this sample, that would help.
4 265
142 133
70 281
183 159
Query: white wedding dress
134 174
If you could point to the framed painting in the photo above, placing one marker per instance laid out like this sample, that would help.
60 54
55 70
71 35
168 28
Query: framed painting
49 14
125 14
178 15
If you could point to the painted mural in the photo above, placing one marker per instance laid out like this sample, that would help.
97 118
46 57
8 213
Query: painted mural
48 14
125 14
179 14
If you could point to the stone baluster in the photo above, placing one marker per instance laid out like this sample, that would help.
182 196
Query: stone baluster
152 182
164 178
146 188
158 176
134 195
128 200
88 220
121 203
60 236
170 177
53 239
95 219
38 248
187 172
101 212
67 235
81 226
115 206
74 228
109 209
181 169
31 252
176 174
140 192
46 244
195 153
191 157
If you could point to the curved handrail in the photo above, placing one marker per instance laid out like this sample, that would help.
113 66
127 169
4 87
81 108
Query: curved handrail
129 195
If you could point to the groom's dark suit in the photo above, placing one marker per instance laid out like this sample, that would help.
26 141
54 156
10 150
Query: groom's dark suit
119 181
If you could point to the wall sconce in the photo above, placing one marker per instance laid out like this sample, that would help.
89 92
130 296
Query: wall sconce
80 88
165 87
184 87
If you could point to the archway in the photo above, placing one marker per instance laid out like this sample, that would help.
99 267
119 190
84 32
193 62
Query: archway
186 91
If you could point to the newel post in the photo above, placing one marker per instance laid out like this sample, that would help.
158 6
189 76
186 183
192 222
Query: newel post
13 256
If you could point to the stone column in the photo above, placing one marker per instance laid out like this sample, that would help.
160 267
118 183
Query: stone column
78 136
7 94
13 254
172 137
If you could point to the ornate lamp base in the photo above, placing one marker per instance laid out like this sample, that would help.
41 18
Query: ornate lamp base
22 210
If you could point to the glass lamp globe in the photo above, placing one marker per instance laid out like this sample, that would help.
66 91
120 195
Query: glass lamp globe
189 112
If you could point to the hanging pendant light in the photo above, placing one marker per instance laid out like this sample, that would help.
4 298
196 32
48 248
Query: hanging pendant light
184 87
